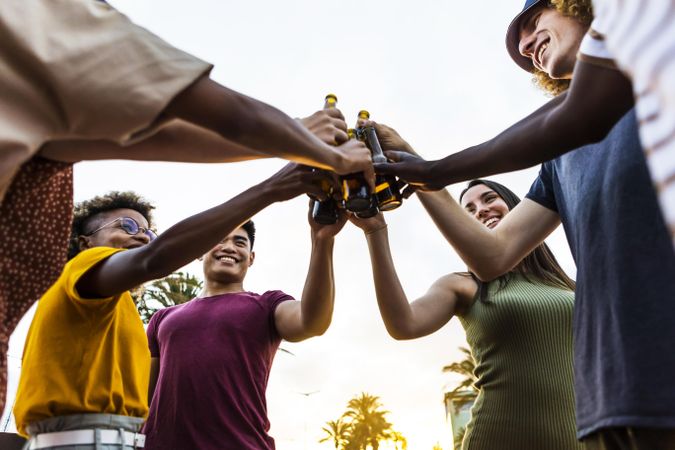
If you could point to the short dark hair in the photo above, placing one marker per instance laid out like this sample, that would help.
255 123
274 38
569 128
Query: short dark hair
249 227
540 263
85 212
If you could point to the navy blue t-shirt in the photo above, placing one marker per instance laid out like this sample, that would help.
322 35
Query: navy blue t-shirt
624 317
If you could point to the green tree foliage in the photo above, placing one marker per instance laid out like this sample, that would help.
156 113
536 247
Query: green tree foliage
458 396
363 426
466 368
175 289
336 431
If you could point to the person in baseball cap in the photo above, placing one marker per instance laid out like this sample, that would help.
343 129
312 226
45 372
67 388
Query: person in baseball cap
587 137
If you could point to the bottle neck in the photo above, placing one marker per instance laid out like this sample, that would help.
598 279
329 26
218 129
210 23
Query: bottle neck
374 144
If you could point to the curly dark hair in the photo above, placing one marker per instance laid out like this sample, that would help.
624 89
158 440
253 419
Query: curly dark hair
581 10
86 212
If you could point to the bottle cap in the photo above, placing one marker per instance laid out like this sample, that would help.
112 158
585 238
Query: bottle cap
331 100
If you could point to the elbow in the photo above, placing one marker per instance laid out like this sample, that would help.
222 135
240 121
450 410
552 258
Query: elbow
491 272
579 130
316 329
595 131
316 332
400 333
486 275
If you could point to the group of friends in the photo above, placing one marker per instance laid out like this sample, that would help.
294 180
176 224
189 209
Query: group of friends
560 364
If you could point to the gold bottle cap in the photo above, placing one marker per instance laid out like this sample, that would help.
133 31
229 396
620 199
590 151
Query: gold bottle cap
331 100
351 132
363 114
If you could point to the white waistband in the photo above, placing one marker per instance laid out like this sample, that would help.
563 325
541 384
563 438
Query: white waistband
84 437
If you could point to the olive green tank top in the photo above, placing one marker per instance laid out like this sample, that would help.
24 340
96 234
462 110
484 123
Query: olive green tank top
522 343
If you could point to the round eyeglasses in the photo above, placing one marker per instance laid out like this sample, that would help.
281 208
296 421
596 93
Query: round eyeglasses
129 225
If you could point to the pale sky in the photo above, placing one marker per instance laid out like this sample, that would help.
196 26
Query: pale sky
438 72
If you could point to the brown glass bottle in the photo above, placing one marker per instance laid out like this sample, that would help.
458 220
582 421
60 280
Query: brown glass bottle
355 190
325 212
386 186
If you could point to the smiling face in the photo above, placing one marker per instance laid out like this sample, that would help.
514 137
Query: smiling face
485 205
112 235
551 40
229 261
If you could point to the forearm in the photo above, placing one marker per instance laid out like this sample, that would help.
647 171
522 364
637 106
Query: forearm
396 311
318 294
177 246
194 236
483 250
597 98
540 137
177 142
251 123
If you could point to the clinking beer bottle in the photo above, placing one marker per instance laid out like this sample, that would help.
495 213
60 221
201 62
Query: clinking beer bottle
372 209
386 187
355 189
326 211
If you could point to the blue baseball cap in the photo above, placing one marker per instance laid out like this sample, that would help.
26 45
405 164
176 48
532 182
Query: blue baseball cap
513 35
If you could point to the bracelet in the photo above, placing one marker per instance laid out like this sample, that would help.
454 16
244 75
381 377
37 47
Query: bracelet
376 230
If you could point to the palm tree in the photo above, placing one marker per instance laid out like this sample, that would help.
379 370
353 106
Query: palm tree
466 368
363 426
369 425
464 393
175 289
397 438
337 431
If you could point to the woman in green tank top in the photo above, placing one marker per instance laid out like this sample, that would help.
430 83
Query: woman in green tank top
519 328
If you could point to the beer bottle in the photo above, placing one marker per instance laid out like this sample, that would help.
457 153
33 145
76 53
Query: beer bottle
386 187
355 190
325 212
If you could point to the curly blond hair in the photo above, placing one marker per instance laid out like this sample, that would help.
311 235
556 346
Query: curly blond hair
582 11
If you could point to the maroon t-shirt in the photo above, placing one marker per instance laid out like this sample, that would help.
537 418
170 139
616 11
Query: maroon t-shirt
215 359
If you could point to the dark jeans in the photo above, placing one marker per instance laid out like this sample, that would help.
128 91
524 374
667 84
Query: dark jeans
632 439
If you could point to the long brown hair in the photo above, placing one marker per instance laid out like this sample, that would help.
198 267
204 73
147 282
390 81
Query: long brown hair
539 265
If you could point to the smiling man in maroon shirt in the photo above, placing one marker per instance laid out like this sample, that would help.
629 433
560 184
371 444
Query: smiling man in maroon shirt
212 356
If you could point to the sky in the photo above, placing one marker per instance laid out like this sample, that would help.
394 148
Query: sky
438 72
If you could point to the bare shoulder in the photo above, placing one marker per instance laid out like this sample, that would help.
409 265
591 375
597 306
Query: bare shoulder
462 285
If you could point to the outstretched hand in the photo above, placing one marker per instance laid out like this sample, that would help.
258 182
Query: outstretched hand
412 169
354 158
320 231
388 137
295 179
328 125
369 225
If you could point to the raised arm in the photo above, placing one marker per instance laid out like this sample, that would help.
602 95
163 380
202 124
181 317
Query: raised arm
263 128
448 296
181 141
490 253
311 316
194 236
597 98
